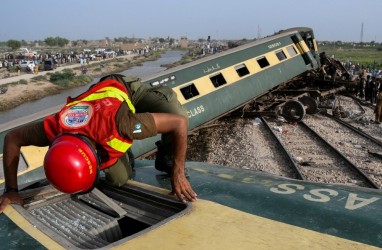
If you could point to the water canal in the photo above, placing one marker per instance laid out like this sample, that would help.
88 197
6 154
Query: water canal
147 69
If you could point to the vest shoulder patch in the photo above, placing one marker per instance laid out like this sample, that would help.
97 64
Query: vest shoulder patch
76 116
137 128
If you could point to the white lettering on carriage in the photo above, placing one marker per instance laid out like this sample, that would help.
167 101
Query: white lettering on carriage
353 200
274 45
196 111
211 68
318 196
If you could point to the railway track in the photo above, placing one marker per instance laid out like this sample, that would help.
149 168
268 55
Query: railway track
361 148
317 159
351 155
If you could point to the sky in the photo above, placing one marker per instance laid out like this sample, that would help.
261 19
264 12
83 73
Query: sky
331 20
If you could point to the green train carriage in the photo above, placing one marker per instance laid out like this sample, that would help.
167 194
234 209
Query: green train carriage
216 85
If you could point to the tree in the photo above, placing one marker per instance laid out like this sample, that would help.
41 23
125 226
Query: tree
56 41
14 44
62 41
50 41
171 42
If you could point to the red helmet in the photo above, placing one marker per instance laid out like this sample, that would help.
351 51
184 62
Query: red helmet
71 164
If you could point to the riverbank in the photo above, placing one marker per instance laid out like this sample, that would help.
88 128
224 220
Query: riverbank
30 87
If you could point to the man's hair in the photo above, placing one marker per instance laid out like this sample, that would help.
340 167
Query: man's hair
119 78
116 77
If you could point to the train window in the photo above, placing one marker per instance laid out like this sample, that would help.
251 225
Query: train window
291 50
218 80
263 62
280 55
189 91
242 70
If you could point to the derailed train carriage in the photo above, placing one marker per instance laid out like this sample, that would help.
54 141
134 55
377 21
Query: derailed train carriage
237 209
216 85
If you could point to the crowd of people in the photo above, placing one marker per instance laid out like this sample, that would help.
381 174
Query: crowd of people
370 90
12 61
369 81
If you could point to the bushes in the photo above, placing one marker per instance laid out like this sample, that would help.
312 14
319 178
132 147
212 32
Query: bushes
23 81
67 78
39 78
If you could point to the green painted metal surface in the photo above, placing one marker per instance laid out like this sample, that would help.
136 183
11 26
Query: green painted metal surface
222 60
347 212
12 237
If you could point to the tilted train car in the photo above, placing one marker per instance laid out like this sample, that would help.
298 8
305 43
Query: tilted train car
237 209
215 85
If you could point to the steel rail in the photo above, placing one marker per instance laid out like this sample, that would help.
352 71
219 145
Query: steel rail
290 158
360 132
351 164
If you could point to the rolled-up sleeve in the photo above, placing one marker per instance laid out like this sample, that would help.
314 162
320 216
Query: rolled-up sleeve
135 126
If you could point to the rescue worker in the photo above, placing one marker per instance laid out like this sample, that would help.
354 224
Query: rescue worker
93 132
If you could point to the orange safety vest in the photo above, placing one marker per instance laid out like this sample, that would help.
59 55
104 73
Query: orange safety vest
93 114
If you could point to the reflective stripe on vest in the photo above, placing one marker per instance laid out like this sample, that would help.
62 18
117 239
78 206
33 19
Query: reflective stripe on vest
104 93
119 145
112 92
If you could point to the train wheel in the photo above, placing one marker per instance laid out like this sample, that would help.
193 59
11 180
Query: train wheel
311 106
293 111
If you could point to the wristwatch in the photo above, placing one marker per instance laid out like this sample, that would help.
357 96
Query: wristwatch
10 189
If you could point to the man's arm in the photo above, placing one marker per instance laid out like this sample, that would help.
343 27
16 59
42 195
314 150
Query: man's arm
13 142
177 126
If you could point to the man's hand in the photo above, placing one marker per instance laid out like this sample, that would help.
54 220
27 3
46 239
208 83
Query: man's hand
177 126
182 188
10 198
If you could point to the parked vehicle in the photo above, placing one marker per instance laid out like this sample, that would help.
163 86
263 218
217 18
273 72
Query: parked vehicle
49 64
26 64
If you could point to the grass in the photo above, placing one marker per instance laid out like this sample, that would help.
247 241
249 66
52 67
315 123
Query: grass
368 56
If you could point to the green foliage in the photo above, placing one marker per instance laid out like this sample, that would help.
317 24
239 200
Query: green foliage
65 74
23 81
171 42
67 78
56 41
119 65
62 83
81 79
14 44
39 78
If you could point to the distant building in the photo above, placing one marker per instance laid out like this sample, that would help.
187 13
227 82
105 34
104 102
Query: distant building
136 47
183 42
